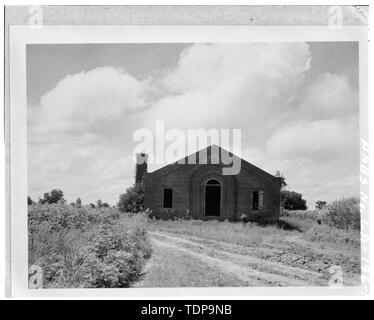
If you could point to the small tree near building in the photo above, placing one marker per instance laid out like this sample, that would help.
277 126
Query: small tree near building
291 200
280 175
133 199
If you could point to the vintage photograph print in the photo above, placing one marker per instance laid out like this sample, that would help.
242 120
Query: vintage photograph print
193 164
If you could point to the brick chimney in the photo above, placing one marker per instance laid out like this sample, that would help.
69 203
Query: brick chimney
141 166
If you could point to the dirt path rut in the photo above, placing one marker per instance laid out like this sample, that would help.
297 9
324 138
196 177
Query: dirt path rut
245 266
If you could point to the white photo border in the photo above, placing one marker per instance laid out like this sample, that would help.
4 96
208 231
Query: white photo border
21 35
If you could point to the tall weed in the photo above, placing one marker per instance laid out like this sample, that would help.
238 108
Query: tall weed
343 214
86 247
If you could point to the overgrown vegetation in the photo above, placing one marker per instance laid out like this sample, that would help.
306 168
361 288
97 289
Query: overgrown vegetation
80 246
301 223
99 246
343 214
291 200
55 196
133 199
247 234
328 232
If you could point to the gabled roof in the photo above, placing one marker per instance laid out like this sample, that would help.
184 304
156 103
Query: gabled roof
172 166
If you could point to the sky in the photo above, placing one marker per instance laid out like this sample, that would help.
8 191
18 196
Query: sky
296 105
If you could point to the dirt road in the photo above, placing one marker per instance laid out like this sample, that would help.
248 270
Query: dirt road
181 260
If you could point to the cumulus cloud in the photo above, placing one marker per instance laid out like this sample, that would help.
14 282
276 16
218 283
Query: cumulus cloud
204 66
85 100
330 96
317 176
319 140
73 131
231 85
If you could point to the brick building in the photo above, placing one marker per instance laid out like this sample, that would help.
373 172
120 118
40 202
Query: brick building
203 192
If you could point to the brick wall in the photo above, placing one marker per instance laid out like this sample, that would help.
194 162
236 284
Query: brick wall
188 183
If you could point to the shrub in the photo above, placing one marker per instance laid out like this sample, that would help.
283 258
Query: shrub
86 247
343 214
55 196
291 200
133 199
320 204
112 258
56 217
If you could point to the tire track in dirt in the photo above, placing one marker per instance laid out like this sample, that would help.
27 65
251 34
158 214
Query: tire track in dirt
246 268
248 261
294 256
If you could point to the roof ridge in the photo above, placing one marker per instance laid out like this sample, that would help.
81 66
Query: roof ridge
185 159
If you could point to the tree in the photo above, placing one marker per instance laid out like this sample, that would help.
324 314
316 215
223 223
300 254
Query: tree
78 202
29 201
99 203
105 205
55 196
291 200
133 199
280 175
92 205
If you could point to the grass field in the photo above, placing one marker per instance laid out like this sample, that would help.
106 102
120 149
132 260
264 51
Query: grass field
100 247
300 223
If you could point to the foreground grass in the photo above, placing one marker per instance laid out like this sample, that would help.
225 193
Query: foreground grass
237 233
173 268
86 247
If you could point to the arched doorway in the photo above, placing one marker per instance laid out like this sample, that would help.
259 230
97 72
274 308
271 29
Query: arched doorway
197 185
213 198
